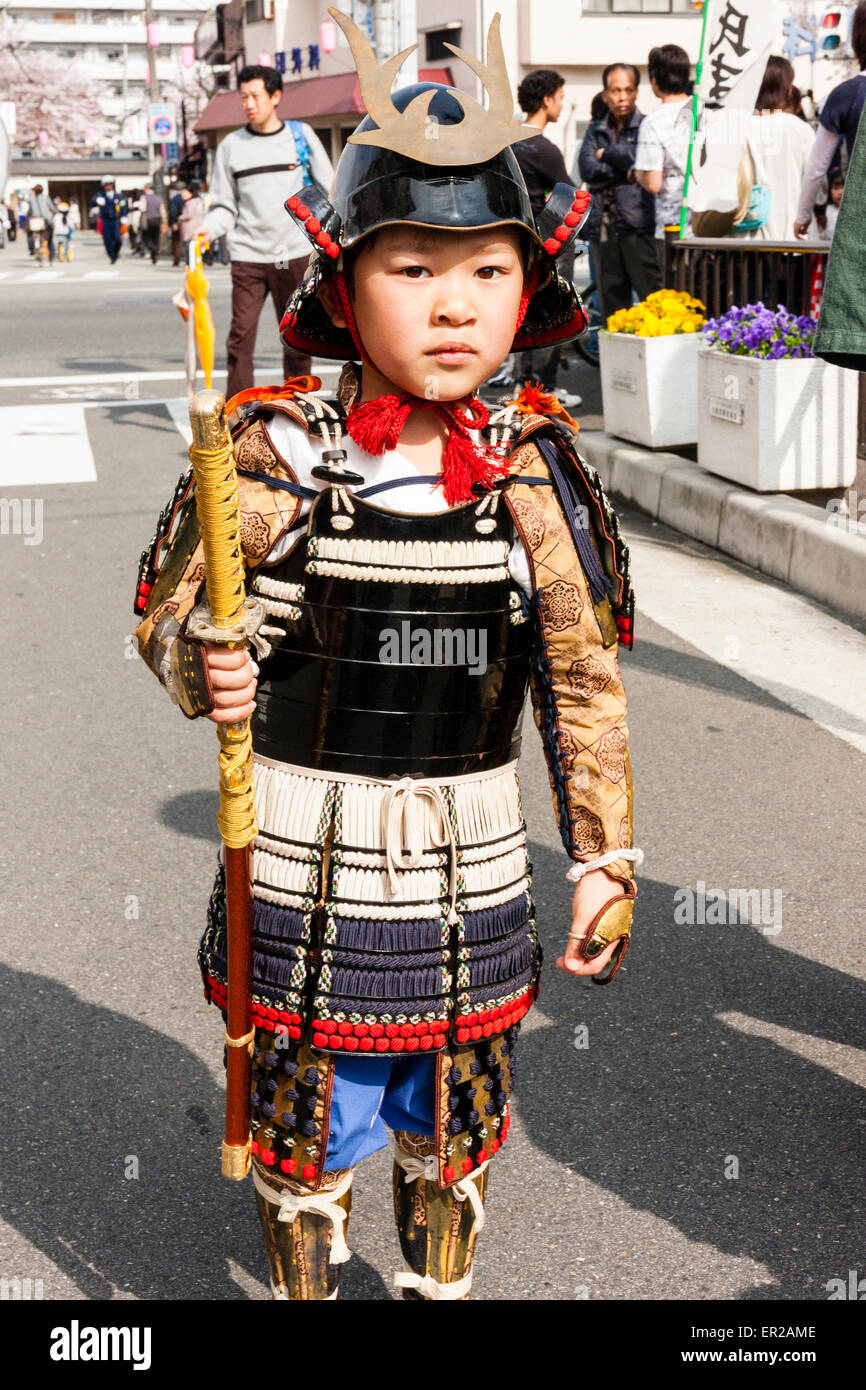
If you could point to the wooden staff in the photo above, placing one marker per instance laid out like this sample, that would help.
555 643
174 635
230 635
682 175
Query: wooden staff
218 505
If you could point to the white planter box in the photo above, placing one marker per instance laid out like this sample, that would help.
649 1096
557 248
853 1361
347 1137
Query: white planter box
649 387
777 426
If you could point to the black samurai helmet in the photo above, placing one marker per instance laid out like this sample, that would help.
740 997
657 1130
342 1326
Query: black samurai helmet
433 156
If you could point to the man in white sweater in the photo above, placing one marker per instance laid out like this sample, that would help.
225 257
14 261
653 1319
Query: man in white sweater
256 170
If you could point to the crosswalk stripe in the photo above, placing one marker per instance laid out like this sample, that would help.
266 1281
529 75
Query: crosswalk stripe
44 446
42 275
101 275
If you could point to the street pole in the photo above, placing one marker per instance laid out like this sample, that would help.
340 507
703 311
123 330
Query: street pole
153 83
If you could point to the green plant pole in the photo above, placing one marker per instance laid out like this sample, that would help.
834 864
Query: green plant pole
699 67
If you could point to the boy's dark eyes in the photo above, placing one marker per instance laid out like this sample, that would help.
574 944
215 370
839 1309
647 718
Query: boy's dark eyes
415 272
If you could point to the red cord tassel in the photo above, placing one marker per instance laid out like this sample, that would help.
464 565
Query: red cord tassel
377 425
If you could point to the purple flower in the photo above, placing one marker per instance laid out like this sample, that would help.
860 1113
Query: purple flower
754 330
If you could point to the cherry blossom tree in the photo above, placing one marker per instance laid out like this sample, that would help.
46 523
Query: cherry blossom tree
57 105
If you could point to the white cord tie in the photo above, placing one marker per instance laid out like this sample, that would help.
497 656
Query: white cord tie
428 1168
404 824
292 1204
577 871
415 1167
427 1285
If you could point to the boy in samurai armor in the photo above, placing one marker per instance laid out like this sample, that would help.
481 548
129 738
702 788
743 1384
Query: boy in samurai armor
419 563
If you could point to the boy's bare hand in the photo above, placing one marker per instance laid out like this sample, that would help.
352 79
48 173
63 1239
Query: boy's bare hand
590 895
234 684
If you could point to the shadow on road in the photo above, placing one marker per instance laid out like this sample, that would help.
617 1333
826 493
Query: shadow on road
192 813
90 1096
666 1093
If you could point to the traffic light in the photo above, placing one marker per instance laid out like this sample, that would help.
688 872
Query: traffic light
833 32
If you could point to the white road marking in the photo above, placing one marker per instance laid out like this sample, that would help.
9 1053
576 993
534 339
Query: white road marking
4 274
43 275
763 632
44 446
101 275
178 409
21 383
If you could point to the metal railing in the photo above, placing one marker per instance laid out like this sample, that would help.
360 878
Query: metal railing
728 270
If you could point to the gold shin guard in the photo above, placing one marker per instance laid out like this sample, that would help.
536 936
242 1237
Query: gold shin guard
304 1232
437 1226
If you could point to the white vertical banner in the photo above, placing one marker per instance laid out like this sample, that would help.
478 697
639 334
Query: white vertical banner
740 35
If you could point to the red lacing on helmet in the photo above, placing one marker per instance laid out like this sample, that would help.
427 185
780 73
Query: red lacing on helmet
349 314
526 298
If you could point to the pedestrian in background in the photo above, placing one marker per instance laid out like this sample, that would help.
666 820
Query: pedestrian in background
540 97
110 208
134 222
151 222
189 221
175 208
780 144
663 144
839 120
257 169
622 233
42 212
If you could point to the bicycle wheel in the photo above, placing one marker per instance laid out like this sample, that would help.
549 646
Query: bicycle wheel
587 345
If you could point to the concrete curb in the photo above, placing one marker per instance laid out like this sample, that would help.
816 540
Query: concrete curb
779 536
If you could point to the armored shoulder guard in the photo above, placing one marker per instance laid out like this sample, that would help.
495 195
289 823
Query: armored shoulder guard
591 519
583 498
323 416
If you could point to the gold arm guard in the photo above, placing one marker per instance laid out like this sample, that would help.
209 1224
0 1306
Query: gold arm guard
613 923
219 514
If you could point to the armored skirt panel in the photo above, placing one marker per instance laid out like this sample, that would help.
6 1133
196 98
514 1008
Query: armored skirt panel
392 904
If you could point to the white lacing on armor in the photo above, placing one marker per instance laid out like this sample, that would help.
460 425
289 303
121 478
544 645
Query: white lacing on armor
376 574
323 1203
277 588
420 555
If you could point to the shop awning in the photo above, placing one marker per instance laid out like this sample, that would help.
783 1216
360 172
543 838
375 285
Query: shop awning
312 97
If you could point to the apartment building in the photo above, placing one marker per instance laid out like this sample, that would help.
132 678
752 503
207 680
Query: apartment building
110 44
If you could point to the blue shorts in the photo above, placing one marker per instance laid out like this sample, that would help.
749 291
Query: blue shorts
371 1093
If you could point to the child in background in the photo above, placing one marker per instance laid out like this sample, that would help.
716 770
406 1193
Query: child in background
63 232
831 212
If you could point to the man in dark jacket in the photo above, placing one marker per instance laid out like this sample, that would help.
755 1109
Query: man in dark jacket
540 96
624 245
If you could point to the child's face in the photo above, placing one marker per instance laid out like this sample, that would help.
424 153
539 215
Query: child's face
436 309
836 192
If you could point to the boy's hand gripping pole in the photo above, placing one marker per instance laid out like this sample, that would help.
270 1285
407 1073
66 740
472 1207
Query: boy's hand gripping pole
218 504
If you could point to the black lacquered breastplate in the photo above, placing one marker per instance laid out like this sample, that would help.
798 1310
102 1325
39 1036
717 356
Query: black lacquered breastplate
399 643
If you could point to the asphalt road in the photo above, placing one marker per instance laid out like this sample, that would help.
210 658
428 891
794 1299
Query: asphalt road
707 1142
